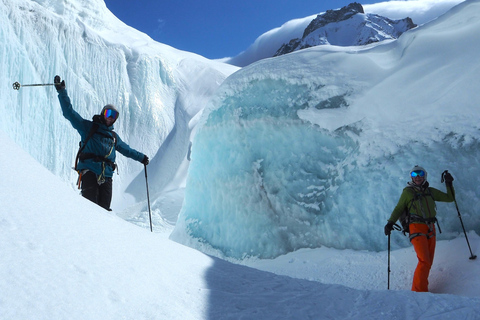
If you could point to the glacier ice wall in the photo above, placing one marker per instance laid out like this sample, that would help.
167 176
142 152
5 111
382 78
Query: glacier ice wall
315 147
102 61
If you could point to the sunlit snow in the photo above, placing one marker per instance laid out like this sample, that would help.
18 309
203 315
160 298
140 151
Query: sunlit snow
293 158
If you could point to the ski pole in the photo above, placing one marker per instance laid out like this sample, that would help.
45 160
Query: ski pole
17 85
388 285
148 199
472 256
395 227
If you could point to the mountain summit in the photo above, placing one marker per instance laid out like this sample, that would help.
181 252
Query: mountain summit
348 26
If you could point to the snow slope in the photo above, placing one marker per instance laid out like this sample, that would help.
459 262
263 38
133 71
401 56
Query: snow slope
65 258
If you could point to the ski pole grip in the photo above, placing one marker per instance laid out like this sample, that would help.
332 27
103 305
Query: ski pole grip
443 176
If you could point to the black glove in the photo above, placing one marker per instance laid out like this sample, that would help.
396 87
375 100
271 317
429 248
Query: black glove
145 160
448 178
59 85
389 228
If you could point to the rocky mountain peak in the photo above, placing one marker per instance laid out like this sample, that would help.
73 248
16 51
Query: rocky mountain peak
333 16
348 26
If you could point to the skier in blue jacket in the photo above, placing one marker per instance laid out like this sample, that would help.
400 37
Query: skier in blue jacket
96 161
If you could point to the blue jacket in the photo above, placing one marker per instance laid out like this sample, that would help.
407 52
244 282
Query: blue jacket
102 143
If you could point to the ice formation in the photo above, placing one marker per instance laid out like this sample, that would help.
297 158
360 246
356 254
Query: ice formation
314 148
102 61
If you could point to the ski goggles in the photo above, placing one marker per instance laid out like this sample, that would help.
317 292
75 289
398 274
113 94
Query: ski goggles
418 173
109 113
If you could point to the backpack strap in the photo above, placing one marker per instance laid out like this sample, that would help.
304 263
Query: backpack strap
115 138
92 131
405 216
84 156
409 218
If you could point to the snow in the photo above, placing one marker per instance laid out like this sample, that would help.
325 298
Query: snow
65 258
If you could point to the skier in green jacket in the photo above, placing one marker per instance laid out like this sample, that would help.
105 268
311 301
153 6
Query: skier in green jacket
418 201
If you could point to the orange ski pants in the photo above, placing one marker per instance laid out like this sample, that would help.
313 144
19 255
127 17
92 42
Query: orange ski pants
424 246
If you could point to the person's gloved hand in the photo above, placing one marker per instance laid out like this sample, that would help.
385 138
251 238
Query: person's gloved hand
145 160
59 85
389 228
448 178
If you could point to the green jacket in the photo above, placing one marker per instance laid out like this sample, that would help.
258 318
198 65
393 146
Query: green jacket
421 201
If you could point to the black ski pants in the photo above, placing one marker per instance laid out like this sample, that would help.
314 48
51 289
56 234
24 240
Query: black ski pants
99 194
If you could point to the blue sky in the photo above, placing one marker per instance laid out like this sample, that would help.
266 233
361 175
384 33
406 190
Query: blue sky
214 28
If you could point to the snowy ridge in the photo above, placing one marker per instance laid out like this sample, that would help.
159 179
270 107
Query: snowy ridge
348 26
268 43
